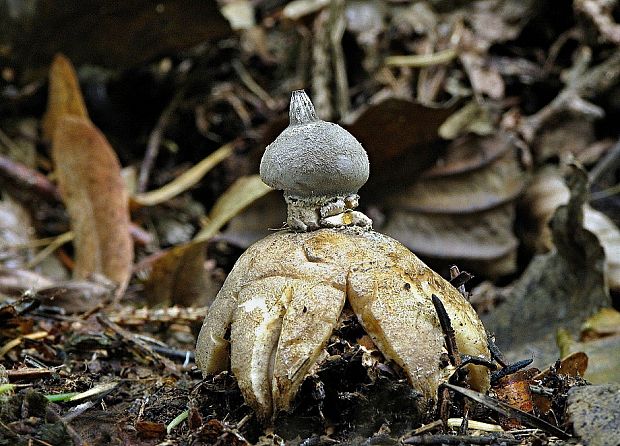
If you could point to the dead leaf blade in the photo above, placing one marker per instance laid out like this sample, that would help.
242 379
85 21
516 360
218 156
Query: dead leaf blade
65 97
89 179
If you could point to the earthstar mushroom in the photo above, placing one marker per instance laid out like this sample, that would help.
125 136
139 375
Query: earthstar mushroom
282 299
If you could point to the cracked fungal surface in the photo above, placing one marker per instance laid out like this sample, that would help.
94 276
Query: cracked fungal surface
284 296
282 299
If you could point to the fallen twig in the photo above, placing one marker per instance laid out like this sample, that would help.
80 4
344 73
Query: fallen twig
137 342
15 342
184 181
154 142
26 181
422 60
510 369
440 439
509 411
28 374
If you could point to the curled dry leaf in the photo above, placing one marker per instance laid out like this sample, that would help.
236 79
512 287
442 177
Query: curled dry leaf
543 196
604 358
464 207
558 289
89 179
565 135
256 222
64 98
514 389
482 241
178 277
600 340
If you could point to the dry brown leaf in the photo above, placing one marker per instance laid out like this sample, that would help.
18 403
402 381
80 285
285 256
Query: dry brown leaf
64 98
475 175
482 242
603 358
256 222
563 136
543 196
178 276
89 179
462 209
574 364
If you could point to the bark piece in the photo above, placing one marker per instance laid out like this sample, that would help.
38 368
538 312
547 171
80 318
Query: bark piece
595 413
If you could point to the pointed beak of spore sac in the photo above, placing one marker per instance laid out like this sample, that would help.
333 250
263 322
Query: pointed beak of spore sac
301 109
312 157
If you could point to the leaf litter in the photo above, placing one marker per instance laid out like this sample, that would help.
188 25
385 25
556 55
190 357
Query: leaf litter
469 113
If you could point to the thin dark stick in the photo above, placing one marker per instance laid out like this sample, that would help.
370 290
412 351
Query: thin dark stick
508 411
173 353
610 161
25 180
510 369
448 332
477 360
154 142
138 343
496 353
461 279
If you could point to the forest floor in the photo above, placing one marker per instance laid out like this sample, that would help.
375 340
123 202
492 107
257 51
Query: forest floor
130 140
